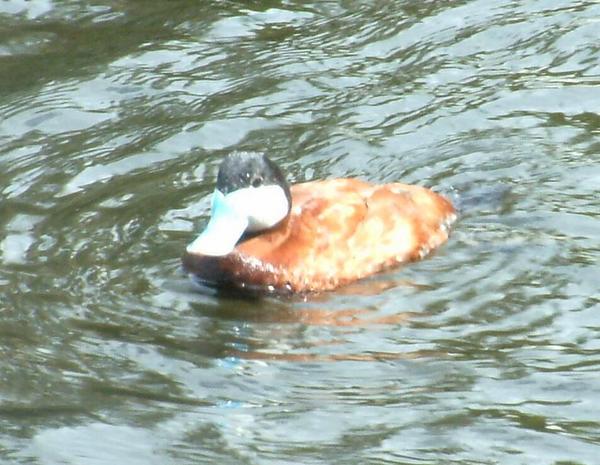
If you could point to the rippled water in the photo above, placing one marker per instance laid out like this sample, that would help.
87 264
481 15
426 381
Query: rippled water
114 116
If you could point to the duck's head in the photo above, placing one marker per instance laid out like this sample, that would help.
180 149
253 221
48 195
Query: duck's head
251 195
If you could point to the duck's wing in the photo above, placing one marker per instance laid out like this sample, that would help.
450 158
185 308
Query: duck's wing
403 223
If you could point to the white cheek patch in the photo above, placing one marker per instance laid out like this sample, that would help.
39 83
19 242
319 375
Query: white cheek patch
263 206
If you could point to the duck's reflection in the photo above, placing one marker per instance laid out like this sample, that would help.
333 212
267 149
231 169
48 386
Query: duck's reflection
276 329
317 316
342 357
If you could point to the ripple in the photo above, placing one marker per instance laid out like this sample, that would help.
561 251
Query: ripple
114 122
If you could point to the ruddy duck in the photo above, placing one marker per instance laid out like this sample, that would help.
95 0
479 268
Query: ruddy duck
314 236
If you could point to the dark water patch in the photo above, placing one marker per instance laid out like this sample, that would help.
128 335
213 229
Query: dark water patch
114 119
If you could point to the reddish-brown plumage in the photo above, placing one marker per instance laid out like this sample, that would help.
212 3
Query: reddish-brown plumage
338 231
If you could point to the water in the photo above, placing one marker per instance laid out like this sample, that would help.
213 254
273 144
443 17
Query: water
114 116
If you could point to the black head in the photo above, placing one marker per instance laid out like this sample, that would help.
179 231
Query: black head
250 169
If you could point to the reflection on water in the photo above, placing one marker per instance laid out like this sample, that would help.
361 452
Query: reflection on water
114 119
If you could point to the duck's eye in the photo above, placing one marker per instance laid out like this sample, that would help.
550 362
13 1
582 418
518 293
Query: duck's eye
257 181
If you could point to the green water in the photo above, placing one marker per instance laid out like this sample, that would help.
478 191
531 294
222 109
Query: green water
113 119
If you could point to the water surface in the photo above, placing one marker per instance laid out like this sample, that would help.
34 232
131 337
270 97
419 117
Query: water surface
114 116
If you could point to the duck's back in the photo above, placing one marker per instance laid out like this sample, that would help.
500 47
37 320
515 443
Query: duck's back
338 231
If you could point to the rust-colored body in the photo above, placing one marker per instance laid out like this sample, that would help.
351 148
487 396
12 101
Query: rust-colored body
338 231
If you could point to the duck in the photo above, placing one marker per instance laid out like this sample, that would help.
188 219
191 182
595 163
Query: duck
267 235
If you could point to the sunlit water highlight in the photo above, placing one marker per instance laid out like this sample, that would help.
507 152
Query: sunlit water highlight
114 117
